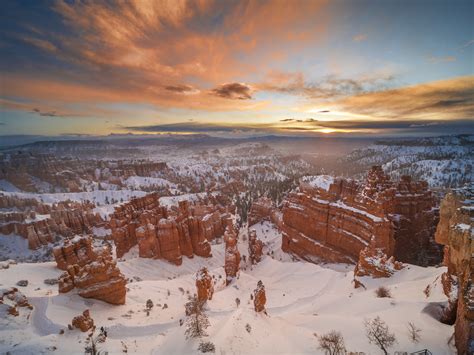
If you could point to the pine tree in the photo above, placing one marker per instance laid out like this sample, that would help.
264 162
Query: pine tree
197 321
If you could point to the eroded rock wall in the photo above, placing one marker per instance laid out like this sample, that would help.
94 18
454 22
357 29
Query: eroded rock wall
455 231
167 233
335 219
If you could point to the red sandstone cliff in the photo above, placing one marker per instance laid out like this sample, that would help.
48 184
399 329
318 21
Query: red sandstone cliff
456 233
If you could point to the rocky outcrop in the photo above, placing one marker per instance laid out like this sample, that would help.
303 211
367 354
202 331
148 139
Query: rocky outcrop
375 263
259 297
204 285
455 231
167 233
232 254
10 300
255 247
91 271
333 219
84 322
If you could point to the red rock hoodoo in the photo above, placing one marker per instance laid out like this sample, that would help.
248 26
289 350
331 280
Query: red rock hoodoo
335 219
232 254
455 232
92 272
259 297
204 285
255 247
84 322
167 233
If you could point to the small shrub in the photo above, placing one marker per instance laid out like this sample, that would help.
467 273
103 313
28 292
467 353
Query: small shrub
427 291
378 333
207 347
248 328
149 304
332 343
383 292
414 332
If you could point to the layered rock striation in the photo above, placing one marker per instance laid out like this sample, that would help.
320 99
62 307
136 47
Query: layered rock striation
334 219
455 231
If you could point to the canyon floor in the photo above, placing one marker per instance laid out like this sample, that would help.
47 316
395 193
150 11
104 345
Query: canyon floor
303 300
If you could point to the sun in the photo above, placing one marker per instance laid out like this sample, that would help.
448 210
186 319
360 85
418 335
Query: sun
326 130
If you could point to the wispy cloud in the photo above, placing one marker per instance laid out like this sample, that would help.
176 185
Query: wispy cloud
445 59
446 99
330 86
46 113
467 44
360 37
195 127
182 89
312 126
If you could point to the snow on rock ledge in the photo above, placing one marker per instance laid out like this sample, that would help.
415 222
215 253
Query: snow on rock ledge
322 182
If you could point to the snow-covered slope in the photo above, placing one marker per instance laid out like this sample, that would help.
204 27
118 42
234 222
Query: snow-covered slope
303 299
442 161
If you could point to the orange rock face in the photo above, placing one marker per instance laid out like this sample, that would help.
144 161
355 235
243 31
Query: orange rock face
335 219
373 262
259 297
232 254
255 247
455 232
204 285
84 322
167 233
92 272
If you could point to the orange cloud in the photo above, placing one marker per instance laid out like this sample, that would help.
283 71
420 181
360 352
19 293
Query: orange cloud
146 51
444 99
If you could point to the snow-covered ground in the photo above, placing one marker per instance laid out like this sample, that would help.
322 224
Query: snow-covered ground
441 161
303 300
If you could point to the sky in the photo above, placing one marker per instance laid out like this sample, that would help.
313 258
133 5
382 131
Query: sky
237 68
